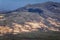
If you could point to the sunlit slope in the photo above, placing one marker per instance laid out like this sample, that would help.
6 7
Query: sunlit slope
36 17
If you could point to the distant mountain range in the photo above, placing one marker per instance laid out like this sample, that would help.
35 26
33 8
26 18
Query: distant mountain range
33 17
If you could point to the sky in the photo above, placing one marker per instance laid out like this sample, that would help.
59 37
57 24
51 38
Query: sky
14 4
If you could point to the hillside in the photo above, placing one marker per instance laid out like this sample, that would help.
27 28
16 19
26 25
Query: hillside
35 18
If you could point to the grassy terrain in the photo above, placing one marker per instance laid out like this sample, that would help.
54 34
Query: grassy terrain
32 36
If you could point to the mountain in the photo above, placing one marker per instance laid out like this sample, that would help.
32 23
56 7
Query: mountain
44 17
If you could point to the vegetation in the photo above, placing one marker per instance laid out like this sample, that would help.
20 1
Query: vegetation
32 36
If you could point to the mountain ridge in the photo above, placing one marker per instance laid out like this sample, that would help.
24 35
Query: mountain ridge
32 18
